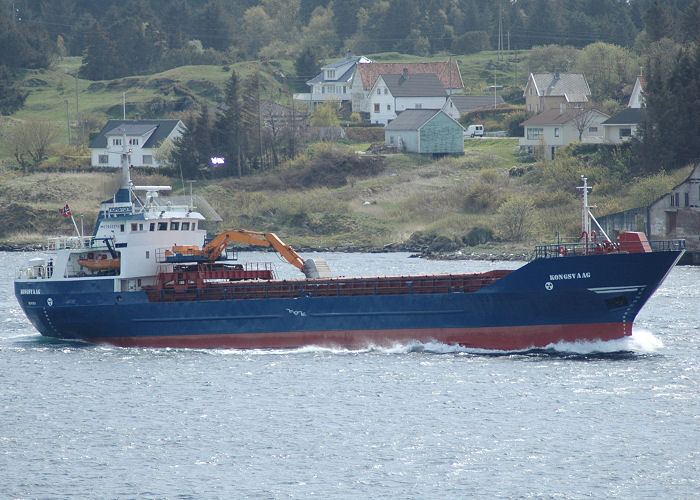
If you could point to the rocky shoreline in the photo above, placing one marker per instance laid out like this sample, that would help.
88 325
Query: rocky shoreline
493 254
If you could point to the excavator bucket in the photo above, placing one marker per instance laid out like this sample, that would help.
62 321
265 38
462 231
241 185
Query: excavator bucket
316 268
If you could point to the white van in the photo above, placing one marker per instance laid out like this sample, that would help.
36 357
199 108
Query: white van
474 131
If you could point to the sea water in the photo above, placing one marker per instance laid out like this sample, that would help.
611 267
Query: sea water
617 419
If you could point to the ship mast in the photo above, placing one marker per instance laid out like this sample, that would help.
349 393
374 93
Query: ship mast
586 215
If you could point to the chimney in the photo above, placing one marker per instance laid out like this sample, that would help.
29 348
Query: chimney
404 75
556 75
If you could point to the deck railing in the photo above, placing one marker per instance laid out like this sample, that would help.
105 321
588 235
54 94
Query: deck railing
571 249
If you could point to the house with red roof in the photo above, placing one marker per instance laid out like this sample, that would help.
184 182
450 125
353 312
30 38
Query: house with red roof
365 77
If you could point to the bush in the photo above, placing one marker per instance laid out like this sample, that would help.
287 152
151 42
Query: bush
481 197
512 123
365 134
516 219
478 236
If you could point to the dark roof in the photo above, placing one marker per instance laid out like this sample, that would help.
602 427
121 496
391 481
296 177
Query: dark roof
628 116
344 61
555 116
466 103
136 127
572 85
411 119
345 77
414 85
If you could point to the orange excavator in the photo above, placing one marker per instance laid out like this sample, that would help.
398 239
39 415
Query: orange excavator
312 268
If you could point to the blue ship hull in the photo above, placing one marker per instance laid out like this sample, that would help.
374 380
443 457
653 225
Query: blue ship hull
546 301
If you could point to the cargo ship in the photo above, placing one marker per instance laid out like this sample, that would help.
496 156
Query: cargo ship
149 277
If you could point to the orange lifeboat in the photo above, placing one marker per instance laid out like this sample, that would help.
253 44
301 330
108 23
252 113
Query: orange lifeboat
101 264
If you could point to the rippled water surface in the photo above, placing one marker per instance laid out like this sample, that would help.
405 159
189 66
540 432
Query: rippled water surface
598 420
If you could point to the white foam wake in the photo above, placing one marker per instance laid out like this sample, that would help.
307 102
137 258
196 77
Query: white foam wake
641 341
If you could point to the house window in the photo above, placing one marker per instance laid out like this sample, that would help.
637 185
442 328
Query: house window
133 142
556 131
323 90
537 108
391 139
388 107
592 130
121 228
345 89
687 199
148 254
678 199
376 107
534 134
419 106
103 159
530 90
625 132
330 74
529 107
116 142
148 159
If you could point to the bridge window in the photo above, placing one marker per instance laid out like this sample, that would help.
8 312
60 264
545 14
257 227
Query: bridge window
162 226
174 226
152 226
134 226
185 226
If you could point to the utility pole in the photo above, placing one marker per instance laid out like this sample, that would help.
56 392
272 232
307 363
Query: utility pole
68 122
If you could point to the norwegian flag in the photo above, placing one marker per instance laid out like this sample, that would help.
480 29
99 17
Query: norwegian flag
65 211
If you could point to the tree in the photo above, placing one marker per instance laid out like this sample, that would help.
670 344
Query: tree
30 142
251 118
516 219
326 115
101 60
11 94
657 22
226 137
307 66
607 67
184 157
583 117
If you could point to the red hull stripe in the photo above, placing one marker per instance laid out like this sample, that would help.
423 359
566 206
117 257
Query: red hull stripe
497 338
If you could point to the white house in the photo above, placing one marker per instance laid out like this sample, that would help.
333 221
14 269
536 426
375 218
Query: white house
545 91
333 82
457 105
365 77
637 96
392 94
624 125
143 137
557 127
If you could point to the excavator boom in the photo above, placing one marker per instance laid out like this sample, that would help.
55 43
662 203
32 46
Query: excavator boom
213 250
